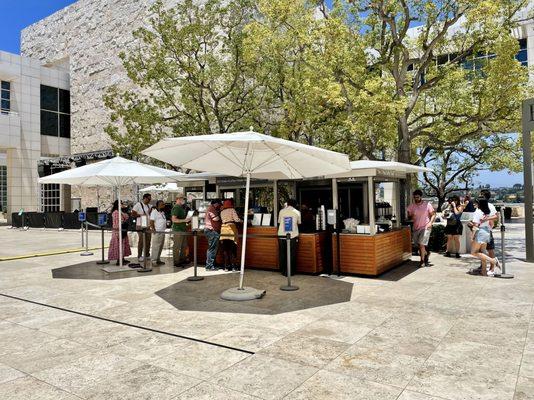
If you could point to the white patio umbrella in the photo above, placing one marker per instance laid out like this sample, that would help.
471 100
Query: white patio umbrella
171 187
114 172
248 154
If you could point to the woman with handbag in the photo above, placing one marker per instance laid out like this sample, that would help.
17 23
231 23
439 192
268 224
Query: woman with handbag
481 237
229 234
454 228
120 221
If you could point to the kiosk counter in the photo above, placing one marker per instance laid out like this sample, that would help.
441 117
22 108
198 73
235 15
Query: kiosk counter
262 252
372 254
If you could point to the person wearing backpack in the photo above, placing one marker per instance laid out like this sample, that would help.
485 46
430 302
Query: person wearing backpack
454 227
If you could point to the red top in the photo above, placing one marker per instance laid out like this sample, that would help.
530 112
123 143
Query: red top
213 219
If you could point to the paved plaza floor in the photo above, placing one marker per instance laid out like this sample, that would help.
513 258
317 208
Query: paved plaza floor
411 334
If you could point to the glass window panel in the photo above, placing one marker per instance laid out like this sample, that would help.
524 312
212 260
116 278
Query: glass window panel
64 126
6 85
49 123
5 105
64 101
5 94
49 98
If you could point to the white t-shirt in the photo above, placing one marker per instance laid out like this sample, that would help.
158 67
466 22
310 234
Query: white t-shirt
160 222
141 209
478 215
288 221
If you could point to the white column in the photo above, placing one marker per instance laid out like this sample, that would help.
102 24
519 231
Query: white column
275 202
371 202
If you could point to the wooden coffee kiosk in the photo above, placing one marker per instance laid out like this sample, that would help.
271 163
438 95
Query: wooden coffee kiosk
369 194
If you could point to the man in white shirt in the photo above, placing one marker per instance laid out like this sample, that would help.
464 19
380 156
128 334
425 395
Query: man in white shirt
158 224
288 221
141 212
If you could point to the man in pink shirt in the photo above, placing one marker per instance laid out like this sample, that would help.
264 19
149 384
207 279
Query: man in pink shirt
422 214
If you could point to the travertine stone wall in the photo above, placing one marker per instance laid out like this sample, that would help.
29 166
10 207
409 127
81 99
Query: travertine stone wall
87 37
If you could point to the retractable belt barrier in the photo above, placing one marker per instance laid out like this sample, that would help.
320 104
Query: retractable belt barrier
195 234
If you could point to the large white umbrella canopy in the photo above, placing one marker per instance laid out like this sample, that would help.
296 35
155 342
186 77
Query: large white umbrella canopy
114 172
243 153
372 167
248 154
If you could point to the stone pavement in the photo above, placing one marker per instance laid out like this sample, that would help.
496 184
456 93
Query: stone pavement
412 334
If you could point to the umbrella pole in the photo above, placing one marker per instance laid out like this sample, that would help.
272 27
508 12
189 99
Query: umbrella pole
244 240
120 225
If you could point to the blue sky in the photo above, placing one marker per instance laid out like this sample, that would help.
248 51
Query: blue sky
16 15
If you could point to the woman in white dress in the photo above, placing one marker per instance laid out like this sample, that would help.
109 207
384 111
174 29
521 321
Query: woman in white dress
481 237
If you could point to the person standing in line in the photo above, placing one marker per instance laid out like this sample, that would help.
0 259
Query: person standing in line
422 214
481 238
118 218
229 234
454 227
142 210
158 224
212 231
179 226
289 218
492 218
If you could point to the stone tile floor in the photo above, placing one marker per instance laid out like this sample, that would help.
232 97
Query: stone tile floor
412 334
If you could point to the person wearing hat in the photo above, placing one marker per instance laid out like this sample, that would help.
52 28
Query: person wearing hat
212 231
179 226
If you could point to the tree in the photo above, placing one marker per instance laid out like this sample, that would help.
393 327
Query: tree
318 87
421 64
188 74
455 168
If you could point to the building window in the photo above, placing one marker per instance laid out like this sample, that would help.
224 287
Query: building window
522 56
3 188
5 97
50 197
55 112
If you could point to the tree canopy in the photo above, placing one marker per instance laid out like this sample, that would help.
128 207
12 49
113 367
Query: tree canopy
421 81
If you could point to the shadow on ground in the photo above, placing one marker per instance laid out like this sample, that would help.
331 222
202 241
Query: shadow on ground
91 270
315 291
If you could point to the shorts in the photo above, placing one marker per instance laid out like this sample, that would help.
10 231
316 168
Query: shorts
454 229
491 243
421 237
483 235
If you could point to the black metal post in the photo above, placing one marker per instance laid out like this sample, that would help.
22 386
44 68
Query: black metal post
195 276
145 268
103 260
503 274
289 287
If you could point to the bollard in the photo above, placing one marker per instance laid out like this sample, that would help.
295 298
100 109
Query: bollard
288 287
503 274
195 276
103 260
86 252
145 268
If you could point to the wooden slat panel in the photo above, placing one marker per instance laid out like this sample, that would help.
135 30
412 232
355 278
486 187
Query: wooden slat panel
373 255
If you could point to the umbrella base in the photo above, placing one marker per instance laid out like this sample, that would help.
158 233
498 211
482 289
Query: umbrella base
101 262
195 278
247 293
86 253
504 276
289 288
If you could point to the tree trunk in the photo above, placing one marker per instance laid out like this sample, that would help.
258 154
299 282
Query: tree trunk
404 156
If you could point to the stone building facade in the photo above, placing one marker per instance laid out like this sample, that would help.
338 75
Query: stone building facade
85 38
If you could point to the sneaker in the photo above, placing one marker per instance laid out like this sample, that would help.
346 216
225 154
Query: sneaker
141 259
159 262
458 255
447 254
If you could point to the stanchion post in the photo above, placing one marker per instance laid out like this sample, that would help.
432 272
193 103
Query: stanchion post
145 268
288 287
86 252
103 260
195 276
503 274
